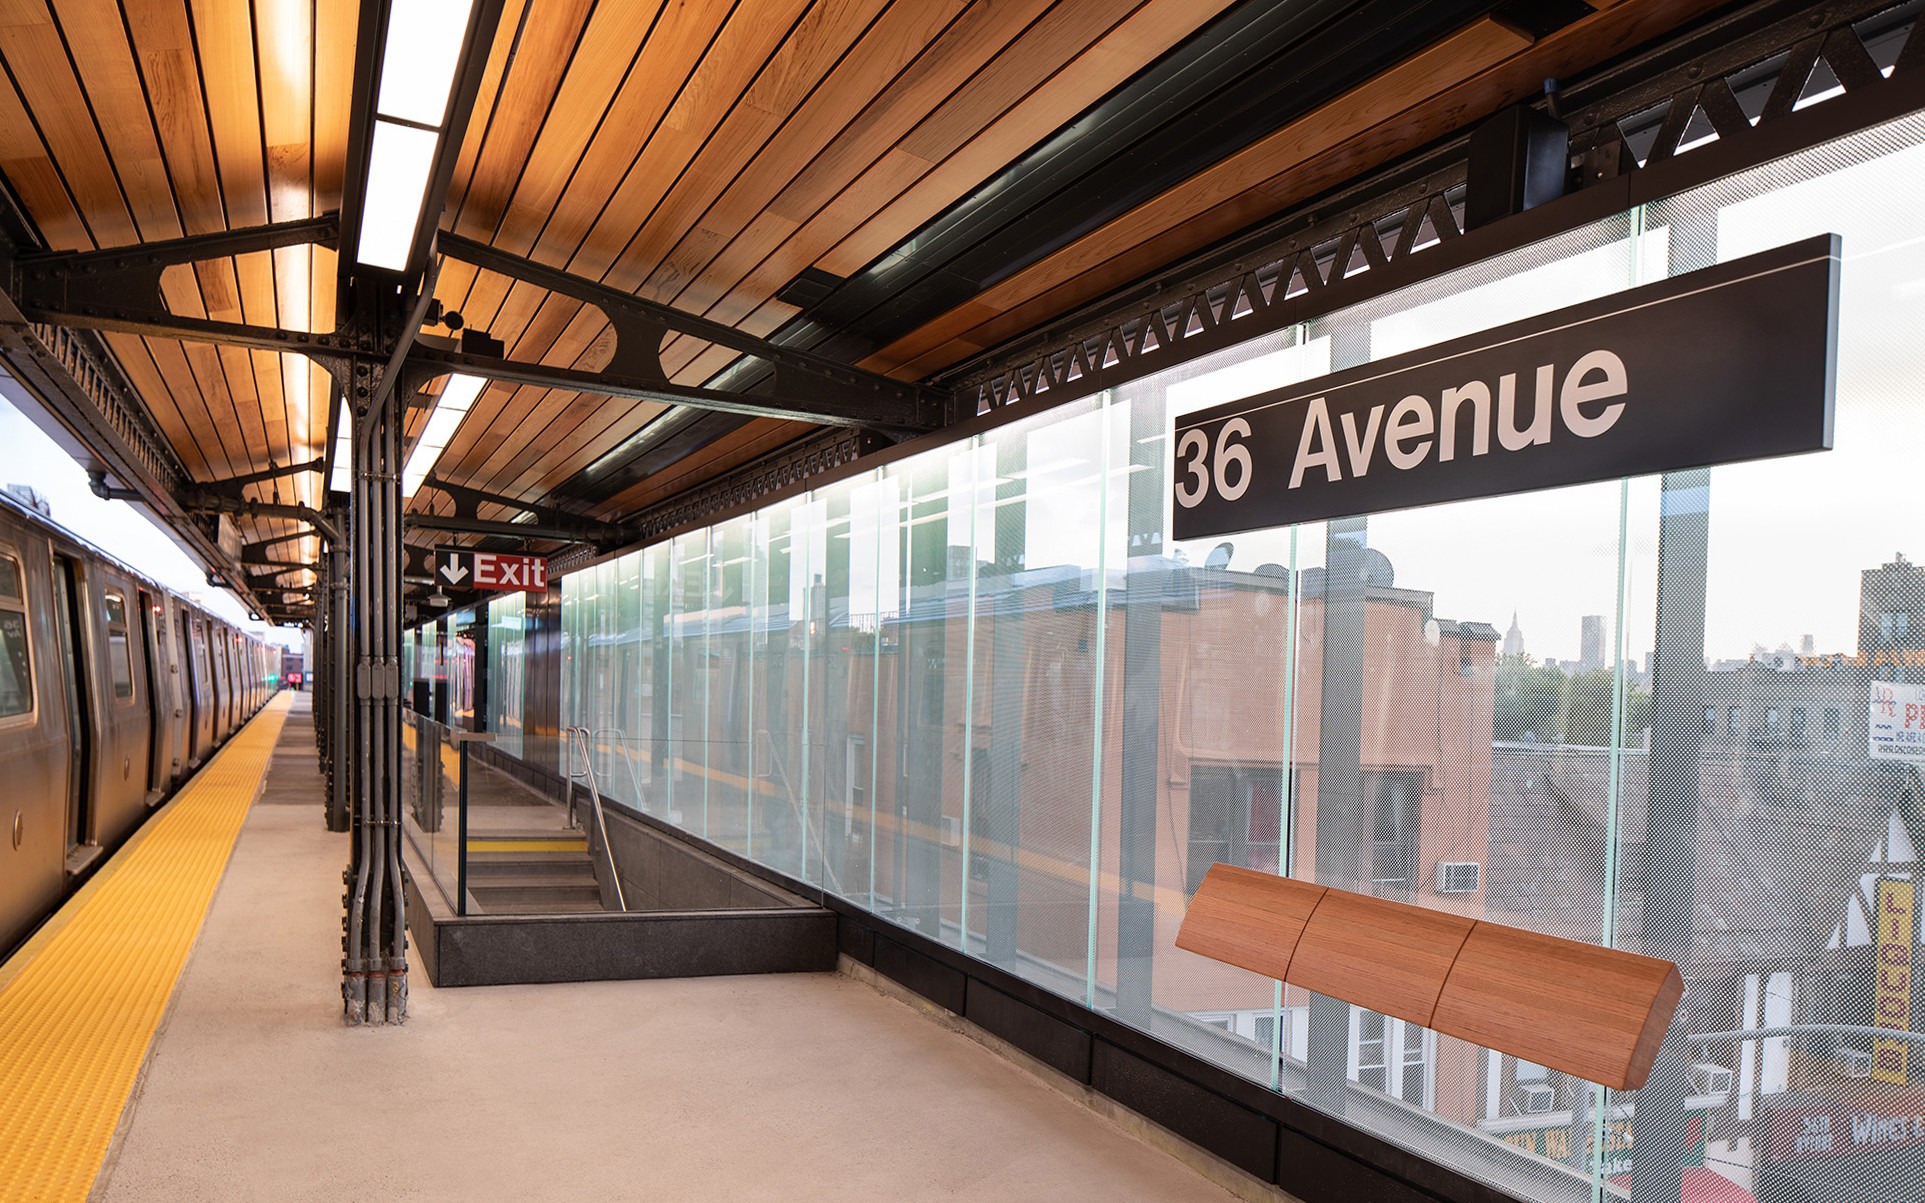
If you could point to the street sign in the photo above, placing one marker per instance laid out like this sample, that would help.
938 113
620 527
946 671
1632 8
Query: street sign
1897 721
461 568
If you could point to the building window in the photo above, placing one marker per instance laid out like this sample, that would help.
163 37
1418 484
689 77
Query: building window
1236 816
1390 1056
1395 799
1831 721
1800 721
1710 720
1771 719
1733 719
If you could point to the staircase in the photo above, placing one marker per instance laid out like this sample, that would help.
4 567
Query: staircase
532 873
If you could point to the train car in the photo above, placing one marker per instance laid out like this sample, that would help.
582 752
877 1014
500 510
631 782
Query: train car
110 695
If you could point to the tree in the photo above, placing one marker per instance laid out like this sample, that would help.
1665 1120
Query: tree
1541 704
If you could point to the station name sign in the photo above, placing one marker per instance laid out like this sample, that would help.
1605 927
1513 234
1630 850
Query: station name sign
1730 363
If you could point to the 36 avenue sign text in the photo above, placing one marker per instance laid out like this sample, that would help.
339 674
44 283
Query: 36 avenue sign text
1729 363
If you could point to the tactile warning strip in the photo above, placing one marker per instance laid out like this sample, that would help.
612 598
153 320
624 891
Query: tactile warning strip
77 1017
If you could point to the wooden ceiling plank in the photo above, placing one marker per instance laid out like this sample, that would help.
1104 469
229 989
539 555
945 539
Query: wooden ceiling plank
524 101
918 85
560 417
25 163
514 14
224 36
41 70
1065 30
865 160
259 307
1063 34
1150 30
1138 242
164 44
726 68
1385 98
105 61
813 85
602 66
169 411
482 449
604 430
285 53
732 450
194 388
335 29
671 56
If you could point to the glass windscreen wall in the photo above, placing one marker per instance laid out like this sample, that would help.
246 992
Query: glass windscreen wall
506 673
982 692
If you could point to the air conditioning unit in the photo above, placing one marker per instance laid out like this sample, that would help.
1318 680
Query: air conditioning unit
951 832
1856 1063
1710 1079
1535 1098
1459 876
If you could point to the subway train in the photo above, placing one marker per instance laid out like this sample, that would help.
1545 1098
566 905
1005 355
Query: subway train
113 690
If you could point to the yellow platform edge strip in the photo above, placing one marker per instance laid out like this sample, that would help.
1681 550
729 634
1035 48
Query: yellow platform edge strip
87 994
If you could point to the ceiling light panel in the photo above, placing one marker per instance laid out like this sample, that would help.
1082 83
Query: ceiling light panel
418 61
398 168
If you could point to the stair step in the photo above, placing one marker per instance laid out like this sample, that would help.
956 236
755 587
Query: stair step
501 882
530 901
516 904
529 864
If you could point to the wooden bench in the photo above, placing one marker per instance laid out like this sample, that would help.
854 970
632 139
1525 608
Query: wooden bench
1598 1013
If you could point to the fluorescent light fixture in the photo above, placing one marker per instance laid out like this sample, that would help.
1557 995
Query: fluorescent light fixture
457 397
398 168
343 476
419 59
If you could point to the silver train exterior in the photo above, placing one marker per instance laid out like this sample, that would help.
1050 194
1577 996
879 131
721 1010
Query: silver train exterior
112 692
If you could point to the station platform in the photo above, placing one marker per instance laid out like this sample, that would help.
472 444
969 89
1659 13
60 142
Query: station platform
243 1082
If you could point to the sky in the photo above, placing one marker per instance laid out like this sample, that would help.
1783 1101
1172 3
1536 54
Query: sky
122 529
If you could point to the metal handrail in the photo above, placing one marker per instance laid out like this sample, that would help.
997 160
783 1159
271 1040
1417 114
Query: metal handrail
628 761
578 736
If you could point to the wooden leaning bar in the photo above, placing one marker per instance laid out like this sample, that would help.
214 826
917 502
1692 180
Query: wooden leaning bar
1594 1012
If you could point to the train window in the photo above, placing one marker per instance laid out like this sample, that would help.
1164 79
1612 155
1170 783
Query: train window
119 653
16 661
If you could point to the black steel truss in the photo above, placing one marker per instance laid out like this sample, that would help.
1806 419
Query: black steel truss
120 290
1723 98
549 522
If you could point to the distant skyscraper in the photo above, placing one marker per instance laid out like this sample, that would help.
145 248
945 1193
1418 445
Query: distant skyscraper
1514 638
1591 643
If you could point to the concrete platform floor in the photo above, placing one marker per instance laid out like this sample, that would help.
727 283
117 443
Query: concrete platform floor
792 1087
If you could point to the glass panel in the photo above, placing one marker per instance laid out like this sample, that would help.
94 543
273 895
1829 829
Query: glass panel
10 579
983 692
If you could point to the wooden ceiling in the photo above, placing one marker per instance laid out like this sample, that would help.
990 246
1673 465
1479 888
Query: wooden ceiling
702 154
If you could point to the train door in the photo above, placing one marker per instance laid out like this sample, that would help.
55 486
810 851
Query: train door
160 696
68 591
223 681
203 688
33 758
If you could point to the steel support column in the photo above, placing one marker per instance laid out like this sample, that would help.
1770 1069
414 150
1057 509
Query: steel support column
375 965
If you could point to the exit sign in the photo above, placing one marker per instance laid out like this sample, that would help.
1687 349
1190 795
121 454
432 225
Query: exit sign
458 568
